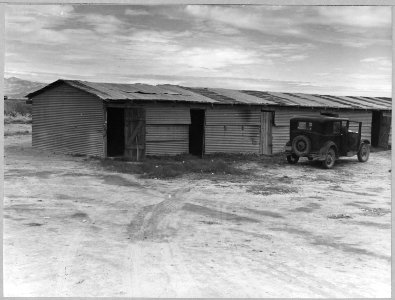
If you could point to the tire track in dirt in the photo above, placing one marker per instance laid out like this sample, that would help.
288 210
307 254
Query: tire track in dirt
156 222
167 275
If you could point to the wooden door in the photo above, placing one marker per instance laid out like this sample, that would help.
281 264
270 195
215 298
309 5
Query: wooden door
135 133
266 133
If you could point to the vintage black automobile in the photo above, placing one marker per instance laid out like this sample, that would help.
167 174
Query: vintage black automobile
325 138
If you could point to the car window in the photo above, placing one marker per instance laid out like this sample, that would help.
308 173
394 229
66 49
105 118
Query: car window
337 127
305 125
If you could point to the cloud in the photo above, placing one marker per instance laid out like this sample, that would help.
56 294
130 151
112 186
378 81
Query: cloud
378 61
104 24
217 46
326 24
27 12
36 24
298 57
355 16
232 15
136 12
157 36
209 58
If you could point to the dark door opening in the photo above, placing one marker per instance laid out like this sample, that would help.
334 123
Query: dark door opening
375 134
196 132
115 131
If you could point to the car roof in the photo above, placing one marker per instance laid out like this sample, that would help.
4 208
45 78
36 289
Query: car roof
320 119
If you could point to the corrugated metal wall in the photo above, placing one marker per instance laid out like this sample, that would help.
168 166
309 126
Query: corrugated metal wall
69 121
167 130
232 130
282 117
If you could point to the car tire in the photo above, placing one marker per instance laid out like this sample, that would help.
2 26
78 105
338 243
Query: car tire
364 152
292 159
301 145
330 159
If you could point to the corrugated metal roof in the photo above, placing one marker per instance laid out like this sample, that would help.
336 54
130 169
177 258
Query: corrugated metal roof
314 100
166 92
137 91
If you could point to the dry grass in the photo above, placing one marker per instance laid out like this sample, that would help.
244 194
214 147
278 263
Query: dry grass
163 168
20 132
17 119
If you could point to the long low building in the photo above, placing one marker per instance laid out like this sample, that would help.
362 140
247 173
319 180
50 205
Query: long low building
138 120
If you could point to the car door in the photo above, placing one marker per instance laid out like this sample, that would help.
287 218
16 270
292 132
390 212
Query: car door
339 137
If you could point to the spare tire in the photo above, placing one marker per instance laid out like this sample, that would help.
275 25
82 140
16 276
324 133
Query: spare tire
301 145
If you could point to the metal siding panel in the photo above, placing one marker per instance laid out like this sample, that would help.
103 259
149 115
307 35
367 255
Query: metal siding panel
280 137
167 129
167 139
282 117
167 115
232 130
173 148
233 116
166 133
69 121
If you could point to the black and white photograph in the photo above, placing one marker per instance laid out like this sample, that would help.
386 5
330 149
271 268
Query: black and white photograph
197 151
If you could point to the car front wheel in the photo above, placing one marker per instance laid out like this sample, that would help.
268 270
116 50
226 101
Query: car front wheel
363 153
292 159
330 159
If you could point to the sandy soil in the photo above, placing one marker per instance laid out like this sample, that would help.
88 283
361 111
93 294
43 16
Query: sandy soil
74 229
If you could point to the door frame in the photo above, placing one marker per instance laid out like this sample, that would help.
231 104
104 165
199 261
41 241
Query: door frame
266 139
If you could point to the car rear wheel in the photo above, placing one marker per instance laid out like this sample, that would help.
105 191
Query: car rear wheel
301 145
292 159
364 152
330 159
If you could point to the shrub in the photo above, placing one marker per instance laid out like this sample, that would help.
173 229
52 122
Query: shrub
17 107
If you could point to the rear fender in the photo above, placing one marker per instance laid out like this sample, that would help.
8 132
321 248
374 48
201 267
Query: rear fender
324 149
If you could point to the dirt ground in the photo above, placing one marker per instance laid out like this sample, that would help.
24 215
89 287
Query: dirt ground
72 228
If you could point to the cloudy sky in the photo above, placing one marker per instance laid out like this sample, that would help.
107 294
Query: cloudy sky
326 50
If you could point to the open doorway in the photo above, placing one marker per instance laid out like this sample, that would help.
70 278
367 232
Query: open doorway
115 132
196 132
375 133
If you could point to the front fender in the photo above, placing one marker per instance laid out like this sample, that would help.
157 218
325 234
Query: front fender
365 142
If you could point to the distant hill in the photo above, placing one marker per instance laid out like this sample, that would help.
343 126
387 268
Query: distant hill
15 88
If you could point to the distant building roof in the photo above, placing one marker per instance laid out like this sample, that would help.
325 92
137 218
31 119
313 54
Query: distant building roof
166 92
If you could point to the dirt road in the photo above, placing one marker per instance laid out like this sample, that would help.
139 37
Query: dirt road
72 228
